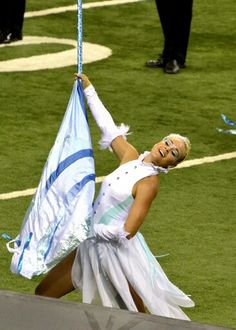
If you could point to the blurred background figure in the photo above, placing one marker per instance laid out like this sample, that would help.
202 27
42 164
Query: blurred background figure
175 17
11 20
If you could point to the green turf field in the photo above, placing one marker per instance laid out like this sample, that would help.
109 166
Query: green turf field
193 218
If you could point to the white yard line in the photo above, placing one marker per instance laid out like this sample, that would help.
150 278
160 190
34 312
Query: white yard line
59 10
205 160
187 163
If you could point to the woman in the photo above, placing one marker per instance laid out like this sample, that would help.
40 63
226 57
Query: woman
115 259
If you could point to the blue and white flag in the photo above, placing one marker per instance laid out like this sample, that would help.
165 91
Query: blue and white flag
58 218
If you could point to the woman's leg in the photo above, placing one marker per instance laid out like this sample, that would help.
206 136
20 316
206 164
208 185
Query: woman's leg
137 300
58 281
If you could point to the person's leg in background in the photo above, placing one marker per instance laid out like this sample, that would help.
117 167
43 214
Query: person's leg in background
162 10
4 19
175 17
16 19
183 21
165 12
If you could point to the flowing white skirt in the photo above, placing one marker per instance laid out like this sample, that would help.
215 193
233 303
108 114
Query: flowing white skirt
108 267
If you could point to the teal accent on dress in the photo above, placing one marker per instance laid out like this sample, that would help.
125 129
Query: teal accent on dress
114 212
149 255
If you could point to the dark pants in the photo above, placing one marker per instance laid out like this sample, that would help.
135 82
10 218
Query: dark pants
175 17
12 17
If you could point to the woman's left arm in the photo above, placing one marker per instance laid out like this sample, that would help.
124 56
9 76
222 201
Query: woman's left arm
145 193
113 136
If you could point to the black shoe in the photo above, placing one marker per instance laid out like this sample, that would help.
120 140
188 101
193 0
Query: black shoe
12 38
172 67
159 63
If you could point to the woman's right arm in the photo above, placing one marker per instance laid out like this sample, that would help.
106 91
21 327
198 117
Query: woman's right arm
112 135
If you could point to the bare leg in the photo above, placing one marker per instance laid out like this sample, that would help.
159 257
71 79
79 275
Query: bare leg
58 282
137 300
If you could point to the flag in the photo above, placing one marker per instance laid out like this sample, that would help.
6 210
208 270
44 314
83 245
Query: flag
58 218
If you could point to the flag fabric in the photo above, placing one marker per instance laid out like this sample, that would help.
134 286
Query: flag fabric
58 218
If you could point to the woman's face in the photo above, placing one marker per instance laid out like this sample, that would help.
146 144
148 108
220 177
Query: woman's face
168 152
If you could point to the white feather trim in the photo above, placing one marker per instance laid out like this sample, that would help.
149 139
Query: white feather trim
109 136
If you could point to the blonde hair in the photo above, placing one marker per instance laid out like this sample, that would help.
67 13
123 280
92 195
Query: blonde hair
186 142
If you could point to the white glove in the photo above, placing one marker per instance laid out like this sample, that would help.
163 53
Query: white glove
109 232
103 119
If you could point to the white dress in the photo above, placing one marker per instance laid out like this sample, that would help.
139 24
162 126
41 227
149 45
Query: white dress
106 267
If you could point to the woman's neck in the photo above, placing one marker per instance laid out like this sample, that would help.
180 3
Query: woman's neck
148 159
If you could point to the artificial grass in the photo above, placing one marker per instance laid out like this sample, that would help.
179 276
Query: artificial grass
193 216
26 51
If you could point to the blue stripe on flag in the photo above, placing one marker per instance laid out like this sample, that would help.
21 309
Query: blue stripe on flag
79 185
70 196
65 163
